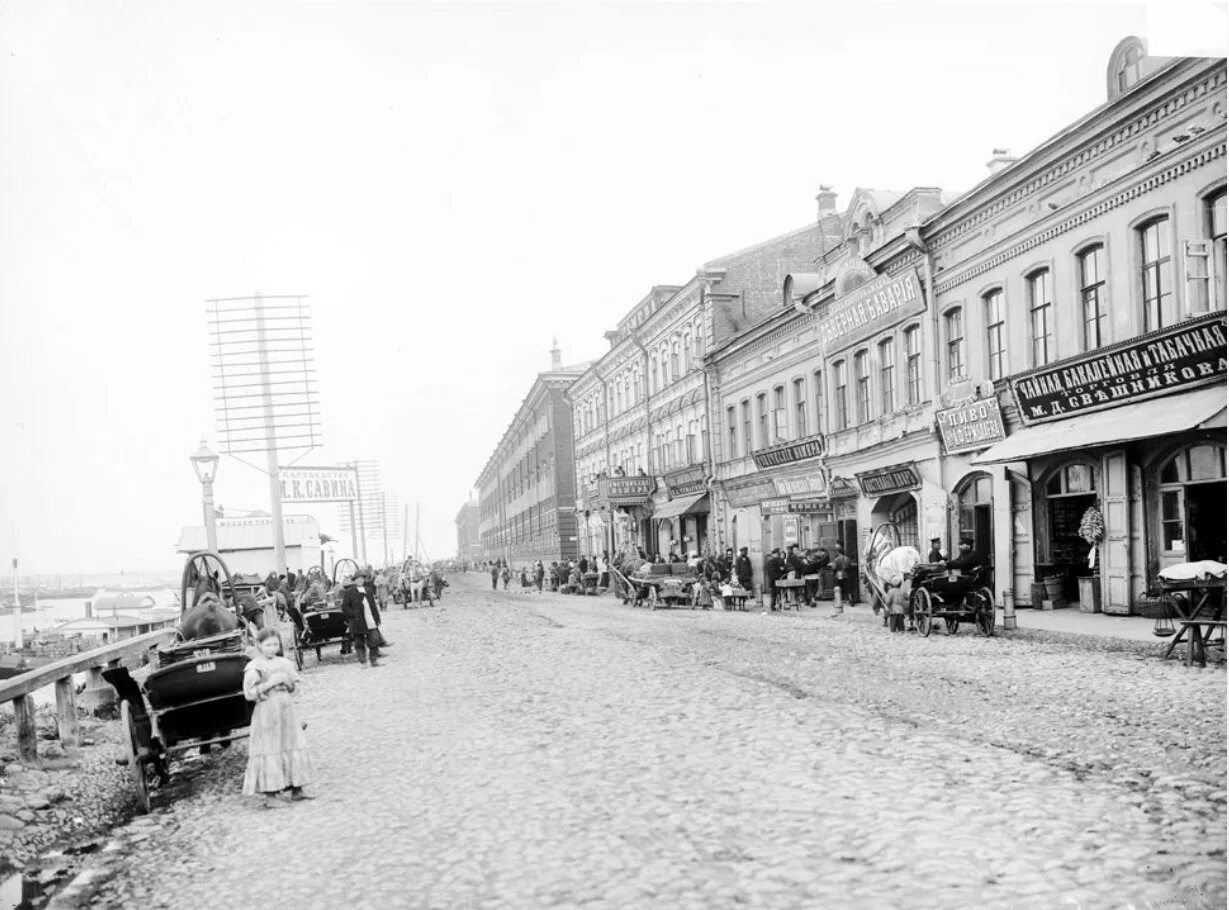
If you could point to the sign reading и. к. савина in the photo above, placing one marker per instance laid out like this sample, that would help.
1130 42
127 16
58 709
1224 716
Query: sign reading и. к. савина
1174 359
318 484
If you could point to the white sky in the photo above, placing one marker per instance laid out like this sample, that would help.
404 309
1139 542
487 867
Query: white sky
452 185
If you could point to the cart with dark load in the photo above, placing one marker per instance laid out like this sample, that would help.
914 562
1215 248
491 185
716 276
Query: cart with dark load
193 697
324 624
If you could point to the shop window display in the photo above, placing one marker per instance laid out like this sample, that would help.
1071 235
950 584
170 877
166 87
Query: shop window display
1070 492
1192 515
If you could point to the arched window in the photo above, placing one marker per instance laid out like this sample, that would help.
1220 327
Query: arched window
887 375
653 375
674 360
687 353
953 324
1214 228
840 395
1156 280
1192 516
761 413
1041 316
974 514
1094 301
780 417
862 390
913 364
996 333
1128 71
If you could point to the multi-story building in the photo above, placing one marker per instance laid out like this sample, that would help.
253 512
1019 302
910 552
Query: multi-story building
825 406
1081 314
643 464
527 492
469 545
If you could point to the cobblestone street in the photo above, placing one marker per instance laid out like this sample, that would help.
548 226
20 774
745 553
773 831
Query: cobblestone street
538 750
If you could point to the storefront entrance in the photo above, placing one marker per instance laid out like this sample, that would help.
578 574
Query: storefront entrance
1069 492
1192 514
975 515
901 510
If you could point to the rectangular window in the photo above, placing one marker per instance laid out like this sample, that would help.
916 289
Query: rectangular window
731 419
840 391
913 364
1215 220
1155 279
1041 317
887 375
996 334
800 407
863 379
780 427
1173 537
1093 301
761 411
748 445
954 322
817 384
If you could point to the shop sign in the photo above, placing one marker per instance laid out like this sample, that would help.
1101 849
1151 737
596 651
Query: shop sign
870 309
689 480
801 486
1175 359
748 495
811 506
625 491
778 506
789 452
318 484
895 479
974 425
790 532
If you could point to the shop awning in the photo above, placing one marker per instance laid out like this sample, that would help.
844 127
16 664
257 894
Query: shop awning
684 505
1158 417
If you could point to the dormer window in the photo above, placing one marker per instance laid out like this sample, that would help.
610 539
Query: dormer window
1126 67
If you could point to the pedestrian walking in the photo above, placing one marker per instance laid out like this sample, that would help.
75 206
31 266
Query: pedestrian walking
840 583
494 577
382 590
364 632
505 575
278 759
742 569
539 573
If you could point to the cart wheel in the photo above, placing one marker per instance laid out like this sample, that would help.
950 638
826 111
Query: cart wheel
985 611
298 651
951 625
923 612
135 763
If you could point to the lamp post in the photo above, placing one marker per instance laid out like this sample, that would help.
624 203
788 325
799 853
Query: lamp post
205 463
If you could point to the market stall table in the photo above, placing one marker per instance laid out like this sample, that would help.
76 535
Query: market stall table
791 590
1201 613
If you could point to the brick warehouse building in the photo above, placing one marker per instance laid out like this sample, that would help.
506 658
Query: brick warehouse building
526 492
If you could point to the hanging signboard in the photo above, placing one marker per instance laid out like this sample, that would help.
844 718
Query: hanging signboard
871 308
974 425
625 491
811 507
318 484
778 506
789 452
741 497
688 481
814 484
1174 359
895 479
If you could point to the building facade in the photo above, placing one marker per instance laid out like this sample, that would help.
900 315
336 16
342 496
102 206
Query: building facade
825 407
643 456
1080 311
526 491
469 544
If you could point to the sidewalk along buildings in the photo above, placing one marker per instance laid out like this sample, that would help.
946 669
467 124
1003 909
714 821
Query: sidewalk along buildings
1079 330
526 491
643 460
825 406
469 545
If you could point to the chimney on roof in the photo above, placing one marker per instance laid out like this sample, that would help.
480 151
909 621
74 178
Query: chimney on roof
556 358
1002 159
826 200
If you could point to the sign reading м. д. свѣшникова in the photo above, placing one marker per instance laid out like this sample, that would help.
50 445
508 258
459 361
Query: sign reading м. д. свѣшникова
1175 359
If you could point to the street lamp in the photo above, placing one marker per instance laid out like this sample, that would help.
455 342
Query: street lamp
205 464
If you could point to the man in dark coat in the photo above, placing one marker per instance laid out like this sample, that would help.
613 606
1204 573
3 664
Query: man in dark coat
795 563
774 568
364 629
936 553
742 569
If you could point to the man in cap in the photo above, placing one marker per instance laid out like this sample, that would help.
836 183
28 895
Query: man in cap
364 630
966 559
936 554
742 569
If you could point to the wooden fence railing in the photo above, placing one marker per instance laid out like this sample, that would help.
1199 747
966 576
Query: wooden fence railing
19 689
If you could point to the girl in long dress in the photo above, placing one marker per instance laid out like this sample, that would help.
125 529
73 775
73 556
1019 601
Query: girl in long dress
277 746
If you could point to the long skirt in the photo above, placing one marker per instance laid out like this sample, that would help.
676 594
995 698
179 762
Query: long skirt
277 747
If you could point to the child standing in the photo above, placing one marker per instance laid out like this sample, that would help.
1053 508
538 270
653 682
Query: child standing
277 746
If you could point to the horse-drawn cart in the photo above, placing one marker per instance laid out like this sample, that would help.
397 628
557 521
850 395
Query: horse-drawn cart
193 698
324 623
